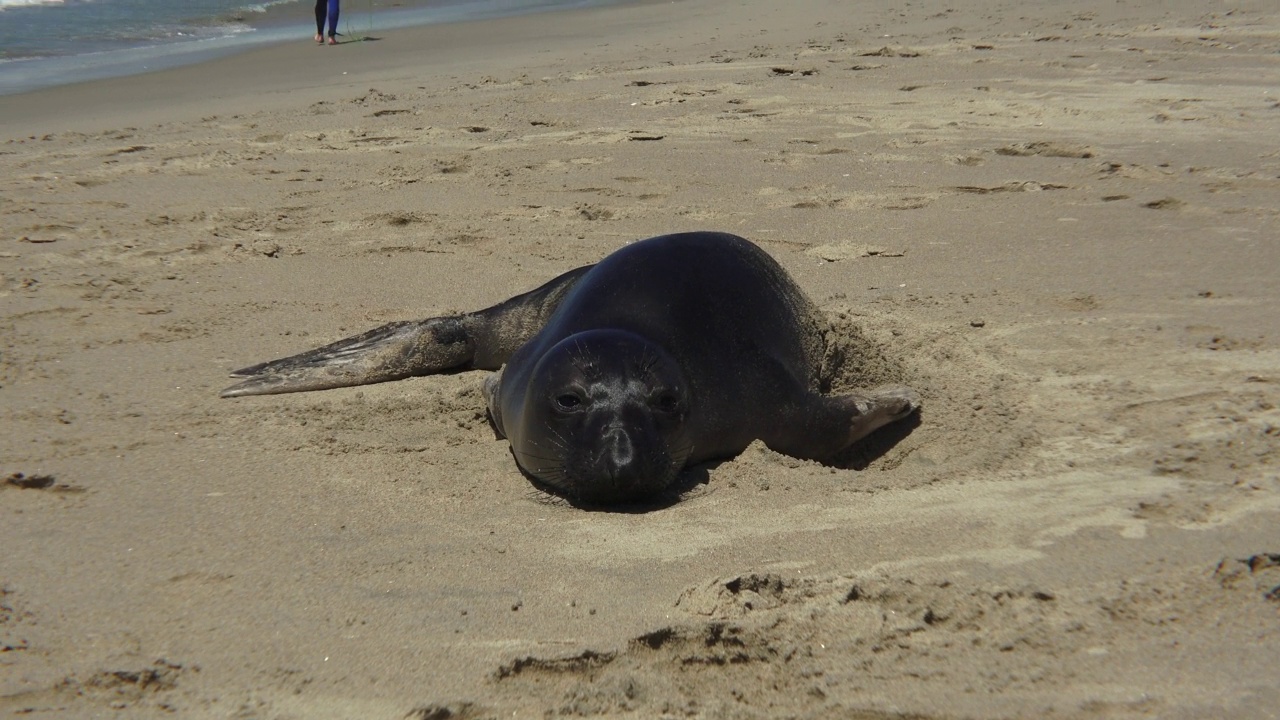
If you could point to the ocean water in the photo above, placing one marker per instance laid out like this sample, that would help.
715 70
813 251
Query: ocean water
51 42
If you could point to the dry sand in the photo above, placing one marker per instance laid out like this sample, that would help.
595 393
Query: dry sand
1057 220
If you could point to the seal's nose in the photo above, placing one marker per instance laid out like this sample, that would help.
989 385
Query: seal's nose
619 451
630 462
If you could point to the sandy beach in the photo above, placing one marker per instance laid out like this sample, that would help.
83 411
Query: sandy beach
1057 221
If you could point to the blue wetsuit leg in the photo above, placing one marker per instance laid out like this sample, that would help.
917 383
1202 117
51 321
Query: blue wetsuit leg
333 18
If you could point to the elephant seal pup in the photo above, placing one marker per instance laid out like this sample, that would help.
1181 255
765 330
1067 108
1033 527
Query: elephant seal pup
614 377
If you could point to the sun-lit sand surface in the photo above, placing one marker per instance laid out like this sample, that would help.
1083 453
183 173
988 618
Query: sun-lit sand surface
1058 221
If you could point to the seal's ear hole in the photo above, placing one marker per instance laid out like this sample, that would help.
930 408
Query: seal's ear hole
568 402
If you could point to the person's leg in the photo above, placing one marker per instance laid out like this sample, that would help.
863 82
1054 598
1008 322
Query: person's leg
320 12
333 22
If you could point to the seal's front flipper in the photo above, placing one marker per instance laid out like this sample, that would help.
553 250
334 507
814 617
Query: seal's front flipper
879 407
823 426
391 352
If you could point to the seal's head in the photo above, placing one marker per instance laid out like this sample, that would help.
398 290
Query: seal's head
604 418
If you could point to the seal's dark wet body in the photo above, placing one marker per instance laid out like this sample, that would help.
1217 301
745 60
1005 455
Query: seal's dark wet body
671 351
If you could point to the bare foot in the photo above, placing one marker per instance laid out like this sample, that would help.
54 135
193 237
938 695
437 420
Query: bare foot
319 39
333 40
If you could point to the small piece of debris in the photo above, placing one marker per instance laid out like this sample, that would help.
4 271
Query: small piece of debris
1045 149
977 323
887 51
833 253
1028 186
1167 203
23 481
30 482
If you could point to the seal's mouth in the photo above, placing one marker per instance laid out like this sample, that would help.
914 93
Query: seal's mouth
674 492
615 488
617 491
603 484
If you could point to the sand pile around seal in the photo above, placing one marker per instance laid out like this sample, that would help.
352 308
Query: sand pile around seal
971 402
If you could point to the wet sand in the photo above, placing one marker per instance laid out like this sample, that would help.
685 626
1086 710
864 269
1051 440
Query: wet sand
1058 223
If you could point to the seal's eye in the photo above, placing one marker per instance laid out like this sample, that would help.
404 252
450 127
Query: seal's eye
667 402
568 402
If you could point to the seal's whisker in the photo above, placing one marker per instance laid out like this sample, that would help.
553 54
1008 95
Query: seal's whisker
543 497
545 458
559 440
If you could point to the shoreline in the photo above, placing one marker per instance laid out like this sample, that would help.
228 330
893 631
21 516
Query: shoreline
276 25
299 68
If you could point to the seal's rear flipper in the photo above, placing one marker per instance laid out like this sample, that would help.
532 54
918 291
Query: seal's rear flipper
391 352
481 340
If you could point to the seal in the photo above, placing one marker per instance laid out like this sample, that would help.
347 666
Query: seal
614 377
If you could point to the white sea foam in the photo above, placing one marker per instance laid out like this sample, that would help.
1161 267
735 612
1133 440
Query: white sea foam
262 6
27 3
